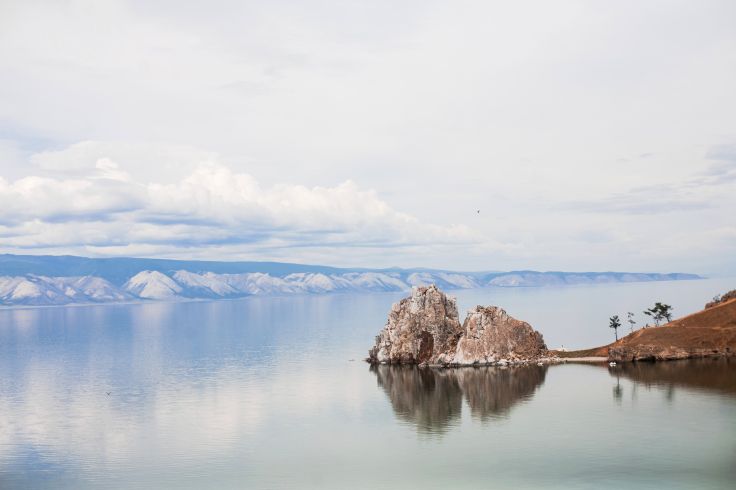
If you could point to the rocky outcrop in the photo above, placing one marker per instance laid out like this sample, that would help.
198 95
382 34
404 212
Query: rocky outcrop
491 336
421 329
654 352
648 352
424 329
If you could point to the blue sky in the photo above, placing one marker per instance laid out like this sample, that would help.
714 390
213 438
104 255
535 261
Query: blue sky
590 135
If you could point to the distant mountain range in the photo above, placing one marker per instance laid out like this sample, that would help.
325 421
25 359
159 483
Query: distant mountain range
57 280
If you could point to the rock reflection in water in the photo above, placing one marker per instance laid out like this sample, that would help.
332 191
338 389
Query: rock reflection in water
432 398
714 375
429 398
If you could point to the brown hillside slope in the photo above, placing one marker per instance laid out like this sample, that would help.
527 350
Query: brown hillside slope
722 315
707 333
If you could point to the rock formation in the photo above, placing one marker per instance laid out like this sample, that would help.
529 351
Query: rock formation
424 329
650 352
490 335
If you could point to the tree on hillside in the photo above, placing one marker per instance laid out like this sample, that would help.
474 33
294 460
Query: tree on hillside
614 323
666 311
654 313
630 319
660 312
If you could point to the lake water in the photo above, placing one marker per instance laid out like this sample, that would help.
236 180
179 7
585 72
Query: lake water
273 393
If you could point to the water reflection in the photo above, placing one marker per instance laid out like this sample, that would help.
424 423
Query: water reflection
618 391
192 385
431 399
713 375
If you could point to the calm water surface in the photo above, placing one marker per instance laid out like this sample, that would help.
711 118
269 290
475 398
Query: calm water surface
272 393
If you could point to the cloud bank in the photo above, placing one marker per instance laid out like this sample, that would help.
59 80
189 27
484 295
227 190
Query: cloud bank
212 206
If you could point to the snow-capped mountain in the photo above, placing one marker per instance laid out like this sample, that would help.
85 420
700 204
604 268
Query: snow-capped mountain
156 285
207 283
444 280
41 290
31 280
152 285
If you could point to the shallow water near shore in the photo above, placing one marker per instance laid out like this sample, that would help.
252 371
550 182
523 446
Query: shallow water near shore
273 393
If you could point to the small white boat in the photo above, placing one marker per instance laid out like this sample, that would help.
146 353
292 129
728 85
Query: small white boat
612 363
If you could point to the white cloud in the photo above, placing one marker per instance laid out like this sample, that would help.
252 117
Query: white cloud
211 207
208 210
216 194
53 200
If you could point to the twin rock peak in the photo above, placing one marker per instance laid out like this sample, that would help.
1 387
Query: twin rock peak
425 329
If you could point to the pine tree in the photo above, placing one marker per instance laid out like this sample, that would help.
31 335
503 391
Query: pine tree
660 312
630 319
614 323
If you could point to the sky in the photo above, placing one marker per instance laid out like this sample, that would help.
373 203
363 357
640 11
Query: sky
463 135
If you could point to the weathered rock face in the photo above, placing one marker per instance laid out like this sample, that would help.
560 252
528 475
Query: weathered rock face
490 335
645 352
423 328
648 352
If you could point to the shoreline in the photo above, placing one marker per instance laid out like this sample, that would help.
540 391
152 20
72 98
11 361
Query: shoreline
588 359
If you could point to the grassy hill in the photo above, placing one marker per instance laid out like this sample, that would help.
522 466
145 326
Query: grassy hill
707 333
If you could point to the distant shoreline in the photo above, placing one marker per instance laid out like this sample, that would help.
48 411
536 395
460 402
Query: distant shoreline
32 281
